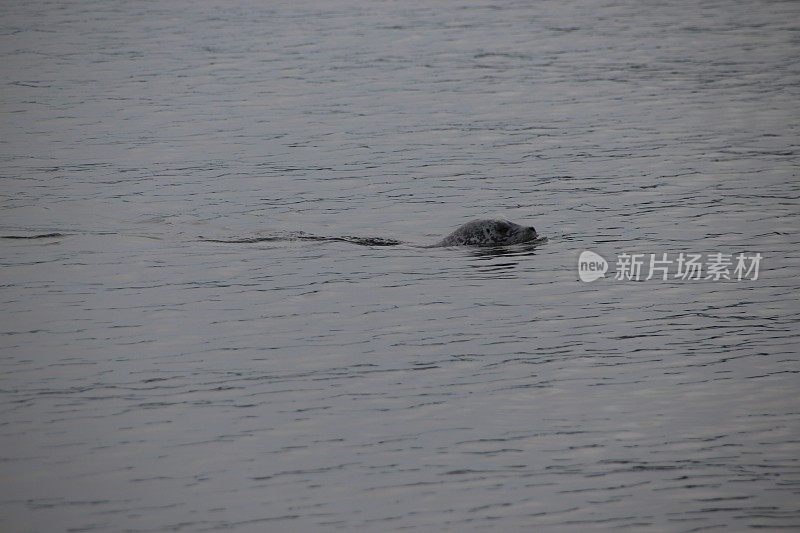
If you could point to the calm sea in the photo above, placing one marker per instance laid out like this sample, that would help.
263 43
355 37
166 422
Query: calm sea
151 380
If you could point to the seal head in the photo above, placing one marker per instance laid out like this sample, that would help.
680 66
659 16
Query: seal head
490 232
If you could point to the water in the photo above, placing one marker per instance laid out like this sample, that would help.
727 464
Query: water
155 381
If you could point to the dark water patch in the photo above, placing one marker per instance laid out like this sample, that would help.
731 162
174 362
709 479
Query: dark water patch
37 236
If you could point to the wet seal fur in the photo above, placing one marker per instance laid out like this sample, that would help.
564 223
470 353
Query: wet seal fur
490 232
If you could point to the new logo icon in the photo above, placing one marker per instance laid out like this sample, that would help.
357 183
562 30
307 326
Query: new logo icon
591 266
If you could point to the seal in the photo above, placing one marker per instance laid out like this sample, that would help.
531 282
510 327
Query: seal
490 232
484 232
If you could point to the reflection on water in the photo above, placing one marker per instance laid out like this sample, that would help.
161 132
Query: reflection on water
519 250
295 378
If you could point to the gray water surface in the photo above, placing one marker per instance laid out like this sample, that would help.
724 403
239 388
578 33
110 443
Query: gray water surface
155 381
